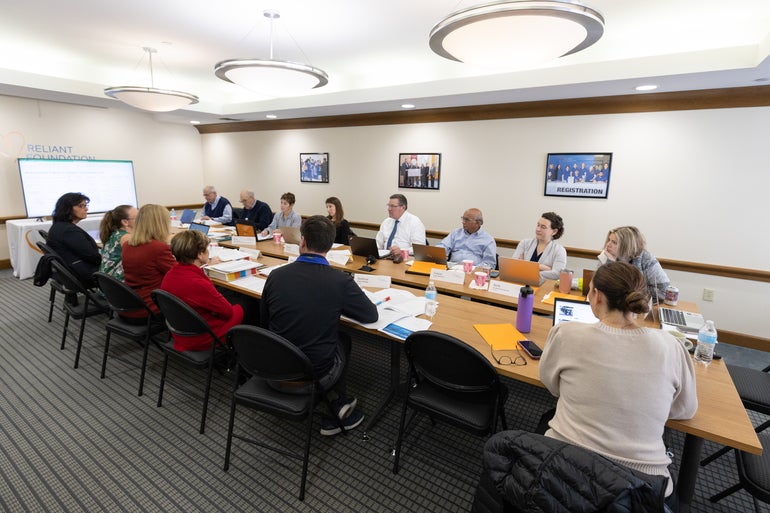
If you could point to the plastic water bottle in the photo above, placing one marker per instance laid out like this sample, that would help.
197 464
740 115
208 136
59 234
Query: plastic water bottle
524 309
431 295
707 339
173 214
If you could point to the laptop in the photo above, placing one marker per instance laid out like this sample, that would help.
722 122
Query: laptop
188 216
244 229
519 271
572 310
588 275
424 253
290 234
200 227
364 246
683 321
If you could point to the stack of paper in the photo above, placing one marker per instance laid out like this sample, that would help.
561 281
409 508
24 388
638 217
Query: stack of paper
229 271
226 254
398 310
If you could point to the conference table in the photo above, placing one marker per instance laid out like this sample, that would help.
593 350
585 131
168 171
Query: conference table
22 239
720 417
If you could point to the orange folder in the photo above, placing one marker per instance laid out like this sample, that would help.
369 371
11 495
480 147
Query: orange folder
500 336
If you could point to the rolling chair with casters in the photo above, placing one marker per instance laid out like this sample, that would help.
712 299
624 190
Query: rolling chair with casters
753 474
183 321
753 388
124 299
91 304
264 355
451 382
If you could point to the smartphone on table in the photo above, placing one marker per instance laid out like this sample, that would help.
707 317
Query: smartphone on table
532 349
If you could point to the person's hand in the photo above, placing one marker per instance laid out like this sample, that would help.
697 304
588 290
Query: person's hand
395 250
214 260
205 218
263 233
544 267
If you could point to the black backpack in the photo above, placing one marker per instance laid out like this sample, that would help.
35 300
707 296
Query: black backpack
43 270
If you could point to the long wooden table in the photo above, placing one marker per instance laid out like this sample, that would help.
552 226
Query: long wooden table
721 416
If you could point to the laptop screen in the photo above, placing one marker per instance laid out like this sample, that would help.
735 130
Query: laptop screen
200 227
569 310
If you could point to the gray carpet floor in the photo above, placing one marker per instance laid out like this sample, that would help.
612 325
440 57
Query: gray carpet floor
70 441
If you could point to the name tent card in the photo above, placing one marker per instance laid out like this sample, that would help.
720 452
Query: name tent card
504 288
447 276
239 240
371 280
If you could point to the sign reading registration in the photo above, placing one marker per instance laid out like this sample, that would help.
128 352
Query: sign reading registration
581 175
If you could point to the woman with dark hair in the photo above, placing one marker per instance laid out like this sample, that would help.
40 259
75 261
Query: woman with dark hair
551 255
78 249
337 216
187 281
286 216
618 383
114 229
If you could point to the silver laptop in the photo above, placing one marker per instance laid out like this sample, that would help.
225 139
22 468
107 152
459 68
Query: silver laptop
681 320
290 234
572 310
424 253
515 270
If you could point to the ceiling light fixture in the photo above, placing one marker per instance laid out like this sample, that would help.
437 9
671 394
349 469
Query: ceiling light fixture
151 98
516 33
646 87
271 76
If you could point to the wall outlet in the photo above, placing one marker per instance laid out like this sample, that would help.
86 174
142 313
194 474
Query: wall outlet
708 294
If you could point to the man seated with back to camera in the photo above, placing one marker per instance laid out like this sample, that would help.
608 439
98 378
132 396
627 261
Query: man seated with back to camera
303 301
471 241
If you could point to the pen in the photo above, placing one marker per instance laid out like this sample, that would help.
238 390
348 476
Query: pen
378 303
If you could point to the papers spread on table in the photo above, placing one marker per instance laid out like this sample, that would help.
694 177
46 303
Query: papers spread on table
261 237
227 254
500 337
338 256
251 283
265 271
397 313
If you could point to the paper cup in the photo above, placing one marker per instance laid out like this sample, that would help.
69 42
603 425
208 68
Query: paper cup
404 255
481 278
467 266
277 237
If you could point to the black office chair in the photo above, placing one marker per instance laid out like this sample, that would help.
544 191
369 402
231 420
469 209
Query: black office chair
43 234
44 274
124 299
90 305
753 474
451 382
263 355
183 321
753 388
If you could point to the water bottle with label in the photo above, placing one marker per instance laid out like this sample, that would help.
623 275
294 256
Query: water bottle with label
431 295
707 339
173 214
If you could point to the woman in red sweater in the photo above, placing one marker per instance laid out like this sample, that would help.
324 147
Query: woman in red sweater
187 281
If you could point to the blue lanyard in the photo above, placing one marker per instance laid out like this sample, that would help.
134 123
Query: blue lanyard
310 258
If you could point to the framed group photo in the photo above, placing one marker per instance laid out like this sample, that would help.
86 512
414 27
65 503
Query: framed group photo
579 175
314 167
419 170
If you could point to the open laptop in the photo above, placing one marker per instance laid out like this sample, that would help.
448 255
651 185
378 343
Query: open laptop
683 321
200 227
365 246
572 310
290 234
244 229
188 216
424 253
519 271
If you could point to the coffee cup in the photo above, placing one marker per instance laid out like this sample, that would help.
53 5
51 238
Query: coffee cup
481 278
404 255
277 237
468 266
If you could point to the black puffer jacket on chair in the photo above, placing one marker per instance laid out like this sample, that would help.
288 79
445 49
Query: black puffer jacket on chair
529 473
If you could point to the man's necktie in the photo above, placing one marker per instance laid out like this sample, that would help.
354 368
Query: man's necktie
392 234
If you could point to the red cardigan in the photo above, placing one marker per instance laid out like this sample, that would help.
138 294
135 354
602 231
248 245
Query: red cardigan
189 283
144 267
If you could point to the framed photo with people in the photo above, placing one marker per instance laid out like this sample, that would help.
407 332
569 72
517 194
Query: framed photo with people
419 171
314 167
578 175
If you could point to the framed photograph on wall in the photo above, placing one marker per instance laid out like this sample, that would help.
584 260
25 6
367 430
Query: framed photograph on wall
579 175
419 170
314 167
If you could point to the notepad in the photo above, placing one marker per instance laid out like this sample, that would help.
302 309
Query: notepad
500 337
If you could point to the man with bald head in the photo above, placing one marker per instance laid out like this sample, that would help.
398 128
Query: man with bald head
217 208
470 242
255 212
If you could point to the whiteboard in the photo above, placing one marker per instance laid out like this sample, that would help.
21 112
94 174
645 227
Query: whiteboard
107 183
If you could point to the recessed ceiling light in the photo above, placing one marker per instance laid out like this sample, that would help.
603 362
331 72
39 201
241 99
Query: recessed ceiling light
407 106
271 116
195 122
648 87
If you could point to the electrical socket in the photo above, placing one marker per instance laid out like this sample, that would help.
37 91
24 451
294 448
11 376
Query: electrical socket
708 294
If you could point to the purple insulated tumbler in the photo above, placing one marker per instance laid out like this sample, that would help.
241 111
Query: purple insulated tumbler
524 310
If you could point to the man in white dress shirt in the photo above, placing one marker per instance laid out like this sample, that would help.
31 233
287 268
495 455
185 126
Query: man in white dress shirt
400 229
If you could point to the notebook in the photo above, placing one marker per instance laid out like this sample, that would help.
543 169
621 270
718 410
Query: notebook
244 229
681 320
568 310
424 253
519 271
200 227
188 216
364 246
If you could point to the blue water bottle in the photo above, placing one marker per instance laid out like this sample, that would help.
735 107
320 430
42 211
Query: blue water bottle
524 309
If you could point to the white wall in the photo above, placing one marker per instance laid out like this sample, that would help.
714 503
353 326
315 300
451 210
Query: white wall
694 182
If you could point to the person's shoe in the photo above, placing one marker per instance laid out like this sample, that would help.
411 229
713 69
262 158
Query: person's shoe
330 427
344 406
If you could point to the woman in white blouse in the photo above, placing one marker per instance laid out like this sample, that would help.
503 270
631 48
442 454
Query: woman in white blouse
551 255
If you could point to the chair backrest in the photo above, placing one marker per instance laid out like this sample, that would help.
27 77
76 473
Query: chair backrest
181 319
43 234
68 280
267 355
120 296
450 363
